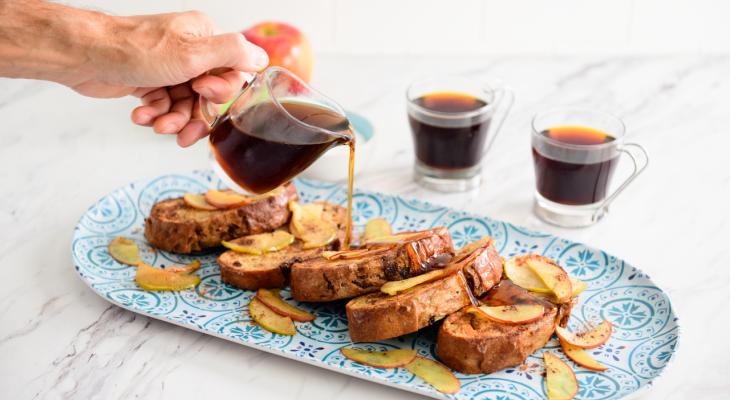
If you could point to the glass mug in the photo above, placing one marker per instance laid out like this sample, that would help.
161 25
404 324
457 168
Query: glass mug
276 127
575 153
454 122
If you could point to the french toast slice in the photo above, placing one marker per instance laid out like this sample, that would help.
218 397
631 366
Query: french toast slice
320 279
271 270
379 316
176 227
472 344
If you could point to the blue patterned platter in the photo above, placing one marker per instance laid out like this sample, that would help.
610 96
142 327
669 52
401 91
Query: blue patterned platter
645 326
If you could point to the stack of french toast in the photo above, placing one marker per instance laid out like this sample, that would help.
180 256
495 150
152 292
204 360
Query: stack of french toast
395 283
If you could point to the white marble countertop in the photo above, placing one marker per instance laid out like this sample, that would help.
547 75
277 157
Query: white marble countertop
59 152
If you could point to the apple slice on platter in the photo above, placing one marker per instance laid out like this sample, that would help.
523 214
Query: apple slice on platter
521 275
271 299
554 277
376 228
308 225
560 380
435 374
269 320
515 314
260 243
586 340
197 201
581 357
124 250
225 199
578 286
151 278
380 359
185 269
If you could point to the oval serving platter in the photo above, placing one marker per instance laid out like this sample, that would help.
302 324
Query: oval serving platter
646 330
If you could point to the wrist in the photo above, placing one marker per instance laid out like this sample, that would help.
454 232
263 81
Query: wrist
49 41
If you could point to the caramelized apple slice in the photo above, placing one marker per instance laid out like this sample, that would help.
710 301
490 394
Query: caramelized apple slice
521 275
435 374
402 237
151 278
272 300
554 277
469 248
376 228
394 287
308 225
515 314
224 199
272 193
586 340
581 357
124 250
186 269
260 243
269 320
380 359
560 380
198 201
578 286
353 254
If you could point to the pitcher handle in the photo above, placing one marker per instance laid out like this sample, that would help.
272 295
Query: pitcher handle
640 160
208 112
503 94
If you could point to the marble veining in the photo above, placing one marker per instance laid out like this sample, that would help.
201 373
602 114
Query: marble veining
60 152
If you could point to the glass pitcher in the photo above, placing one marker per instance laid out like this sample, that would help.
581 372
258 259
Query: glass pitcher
276 127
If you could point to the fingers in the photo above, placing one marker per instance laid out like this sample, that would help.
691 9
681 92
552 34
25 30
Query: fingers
221 87
180 112
192 132
155 103
232 50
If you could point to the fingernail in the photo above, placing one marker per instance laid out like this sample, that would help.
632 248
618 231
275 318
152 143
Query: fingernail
261 59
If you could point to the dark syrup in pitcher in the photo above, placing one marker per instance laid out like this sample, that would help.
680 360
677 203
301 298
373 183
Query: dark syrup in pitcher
260 163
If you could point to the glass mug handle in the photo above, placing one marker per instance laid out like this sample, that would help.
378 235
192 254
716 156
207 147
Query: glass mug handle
640 160
207 111
504 99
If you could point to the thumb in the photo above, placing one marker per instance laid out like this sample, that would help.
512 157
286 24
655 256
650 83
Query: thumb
232 50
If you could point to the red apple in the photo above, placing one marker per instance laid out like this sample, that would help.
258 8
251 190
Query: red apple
286 46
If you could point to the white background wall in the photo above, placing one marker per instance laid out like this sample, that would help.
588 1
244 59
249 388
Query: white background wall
474 26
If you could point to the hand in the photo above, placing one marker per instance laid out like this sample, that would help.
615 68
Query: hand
162 59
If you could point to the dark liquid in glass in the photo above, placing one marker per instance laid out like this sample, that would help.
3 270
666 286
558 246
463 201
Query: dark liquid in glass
260 164
572 183
449 147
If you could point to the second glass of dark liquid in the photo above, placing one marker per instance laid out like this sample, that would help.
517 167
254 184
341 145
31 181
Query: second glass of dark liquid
454 121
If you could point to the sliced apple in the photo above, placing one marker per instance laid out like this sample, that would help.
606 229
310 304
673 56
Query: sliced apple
581 357
272 193
554 277
380 359
435 374
354 253
376 228
521 275
225 199
124 250
308 225
560 380
260 243
151 278
272 300
394 287
186 269
515 314
477 244
197 200
586 340
269 320
578 286
401 237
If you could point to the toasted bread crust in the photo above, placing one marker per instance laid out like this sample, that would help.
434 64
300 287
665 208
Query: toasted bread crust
176 227
272 270
321 280
472 344
378 316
